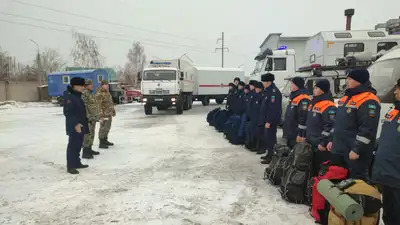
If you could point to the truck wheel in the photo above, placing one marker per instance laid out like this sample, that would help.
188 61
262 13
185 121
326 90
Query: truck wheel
179 107
219 100
205 101
186 104
148 110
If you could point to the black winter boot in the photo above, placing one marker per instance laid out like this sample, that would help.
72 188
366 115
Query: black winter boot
103 144
107 142
72 171
93 152
86 154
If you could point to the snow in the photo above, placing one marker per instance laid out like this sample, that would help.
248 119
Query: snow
164 169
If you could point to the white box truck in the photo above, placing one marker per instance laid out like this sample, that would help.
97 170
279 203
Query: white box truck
168 83
213 83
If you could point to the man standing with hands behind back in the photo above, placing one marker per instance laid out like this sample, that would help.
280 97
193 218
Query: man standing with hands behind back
107 111
76 123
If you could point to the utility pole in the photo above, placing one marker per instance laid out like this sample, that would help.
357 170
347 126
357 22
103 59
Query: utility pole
38 62
222 39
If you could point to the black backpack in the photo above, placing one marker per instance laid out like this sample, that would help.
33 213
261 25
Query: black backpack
275 170
210 116
296 174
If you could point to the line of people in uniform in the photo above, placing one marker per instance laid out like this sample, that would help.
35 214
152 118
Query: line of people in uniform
344 134
82 110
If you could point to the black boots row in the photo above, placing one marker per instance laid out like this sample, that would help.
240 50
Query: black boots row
75 170
88 153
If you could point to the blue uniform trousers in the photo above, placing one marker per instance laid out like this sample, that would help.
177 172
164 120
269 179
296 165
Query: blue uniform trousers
75 142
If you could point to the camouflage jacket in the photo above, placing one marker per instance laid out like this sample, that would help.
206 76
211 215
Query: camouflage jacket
92 108
106 104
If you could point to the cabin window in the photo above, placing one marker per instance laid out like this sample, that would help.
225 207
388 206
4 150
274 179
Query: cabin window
351 48
268 64
65 79
99 78
279 64
342 35
376 34
386 46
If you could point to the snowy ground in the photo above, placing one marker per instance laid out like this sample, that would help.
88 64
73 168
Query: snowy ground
165 169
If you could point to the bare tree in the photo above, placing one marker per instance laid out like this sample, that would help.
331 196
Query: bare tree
86 53
52 61
136 61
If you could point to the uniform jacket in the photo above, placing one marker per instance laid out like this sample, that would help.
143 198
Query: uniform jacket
106 104
386 169
74 111
357 122
320 119
256 108
249 99
296 115
240 103
271 107
230 99
92 108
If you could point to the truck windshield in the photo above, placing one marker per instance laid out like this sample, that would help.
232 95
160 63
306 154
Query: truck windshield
160 75
384 76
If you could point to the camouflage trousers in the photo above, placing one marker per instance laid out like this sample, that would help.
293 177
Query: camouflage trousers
89 138
105 127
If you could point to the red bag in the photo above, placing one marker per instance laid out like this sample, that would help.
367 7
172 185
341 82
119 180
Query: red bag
319 206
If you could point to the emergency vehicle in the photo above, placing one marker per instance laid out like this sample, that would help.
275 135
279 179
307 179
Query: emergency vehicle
168 83
213 83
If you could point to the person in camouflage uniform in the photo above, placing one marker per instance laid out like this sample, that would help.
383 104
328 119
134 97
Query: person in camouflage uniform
107 111
92 113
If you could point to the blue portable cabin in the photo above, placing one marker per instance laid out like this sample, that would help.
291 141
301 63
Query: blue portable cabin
58 81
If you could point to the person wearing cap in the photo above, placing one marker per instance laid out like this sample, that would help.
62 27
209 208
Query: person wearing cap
252 128
107 111
230 99
243 123
320 120
357 123
386 168
92 112
249 99
76 123
271 112
294 126
239 100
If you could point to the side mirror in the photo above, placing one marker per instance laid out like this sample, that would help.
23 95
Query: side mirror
139 76
182 75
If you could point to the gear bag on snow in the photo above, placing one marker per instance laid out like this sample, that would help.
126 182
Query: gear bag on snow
319 205
210 116
220 118
275 170
366 195
231 130
293 187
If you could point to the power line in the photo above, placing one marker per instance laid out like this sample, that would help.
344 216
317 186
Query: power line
101 31
103 21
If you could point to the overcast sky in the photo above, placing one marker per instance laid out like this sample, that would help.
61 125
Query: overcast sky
170 28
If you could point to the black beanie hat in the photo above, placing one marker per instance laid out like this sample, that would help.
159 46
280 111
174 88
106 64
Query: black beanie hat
252 82
236 79
247 87
324 85
267 77
75 81
299 82
241 83
360 75
259 85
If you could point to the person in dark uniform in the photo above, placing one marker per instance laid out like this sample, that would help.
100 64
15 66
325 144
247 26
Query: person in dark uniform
356 127
249 99
253 127
243 122
320 119
76 123
270 115
230 98
386 168
294 127
239 102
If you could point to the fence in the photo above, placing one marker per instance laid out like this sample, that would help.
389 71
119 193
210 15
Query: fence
22 91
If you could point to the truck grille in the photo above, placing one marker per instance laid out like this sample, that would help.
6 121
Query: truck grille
159 92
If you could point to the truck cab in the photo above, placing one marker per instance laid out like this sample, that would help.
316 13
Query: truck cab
167 83
280 62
